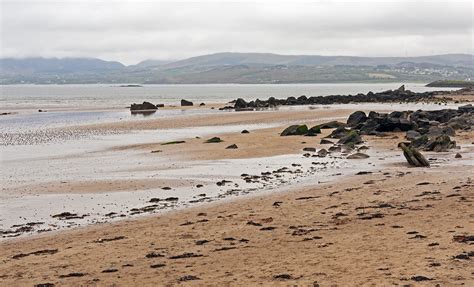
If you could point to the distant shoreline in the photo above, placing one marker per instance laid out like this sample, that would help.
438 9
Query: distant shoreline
451 84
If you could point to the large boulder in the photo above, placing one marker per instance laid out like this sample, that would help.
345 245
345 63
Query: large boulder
351 139
340 132
143 106
295 130
356 118
439 144
437 131
240 104
185 103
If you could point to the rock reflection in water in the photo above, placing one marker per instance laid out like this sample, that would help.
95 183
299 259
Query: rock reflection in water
145 113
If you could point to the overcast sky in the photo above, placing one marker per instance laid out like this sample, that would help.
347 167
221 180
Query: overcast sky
137 30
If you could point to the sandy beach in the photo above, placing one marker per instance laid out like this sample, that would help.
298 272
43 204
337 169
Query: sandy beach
270 212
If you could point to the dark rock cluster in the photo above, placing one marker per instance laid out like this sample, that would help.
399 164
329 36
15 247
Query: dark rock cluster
429 130
390 96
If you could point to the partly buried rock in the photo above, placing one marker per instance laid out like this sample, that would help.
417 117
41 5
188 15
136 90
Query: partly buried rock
413 156
358 155
351 139
322 152
143 107
185 103
310 149
232 146
412 135
295 130
458 155
356 118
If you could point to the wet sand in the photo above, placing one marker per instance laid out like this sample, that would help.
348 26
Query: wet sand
391 225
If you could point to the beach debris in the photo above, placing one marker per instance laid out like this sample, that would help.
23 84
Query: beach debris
44 285
268 228
283 277
202 242
214 140
173 142
188 278
463 238
73 274
185 255
153 254
102 240
222 182
185 103
159 265
110 270
156 151
68 215
39 252
224 248
413 156
419 278
310 149
253 223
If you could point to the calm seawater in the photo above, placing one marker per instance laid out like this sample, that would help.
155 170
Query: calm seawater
70 105
108 96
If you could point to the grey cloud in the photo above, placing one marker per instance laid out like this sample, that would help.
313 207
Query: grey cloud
134 31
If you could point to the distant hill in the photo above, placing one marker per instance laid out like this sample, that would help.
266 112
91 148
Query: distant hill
239 68
149 64
55 65
221 59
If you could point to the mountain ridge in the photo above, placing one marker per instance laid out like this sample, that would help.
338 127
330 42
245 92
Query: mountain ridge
246 68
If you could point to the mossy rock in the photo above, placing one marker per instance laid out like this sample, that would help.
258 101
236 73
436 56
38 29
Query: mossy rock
214 140
295 130
315 130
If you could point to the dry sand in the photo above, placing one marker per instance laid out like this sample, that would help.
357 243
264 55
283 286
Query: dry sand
378 229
